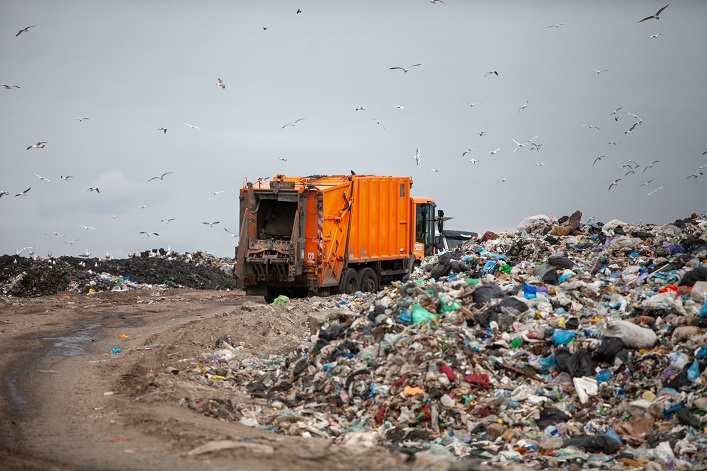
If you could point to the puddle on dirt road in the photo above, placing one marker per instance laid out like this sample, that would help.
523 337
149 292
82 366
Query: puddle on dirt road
70 345
74 344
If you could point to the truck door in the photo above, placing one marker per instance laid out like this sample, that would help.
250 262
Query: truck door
425 228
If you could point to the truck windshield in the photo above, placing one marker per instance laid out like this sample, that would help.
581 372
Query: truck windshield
424 227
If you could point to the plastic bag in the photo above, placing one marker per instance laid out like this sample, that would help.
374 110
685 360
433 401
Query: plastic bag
593 443
562 337
282 299
421 315
609 348
577 365
633 336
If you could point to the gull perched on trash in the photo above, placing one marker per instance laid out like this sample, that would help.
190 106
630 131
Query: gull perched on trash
41 177
614 183
417 156
405 69
93 188
161 177
24 193
39 145
221 84
26 29
211 224
294 123
190 125
656 16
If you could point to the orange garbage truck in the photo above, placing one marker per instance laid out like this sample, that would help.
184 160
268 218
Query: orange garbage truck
326 234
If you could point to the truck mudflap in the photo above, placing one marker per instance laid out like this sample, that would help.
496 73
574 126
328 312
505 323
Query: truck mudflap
271 259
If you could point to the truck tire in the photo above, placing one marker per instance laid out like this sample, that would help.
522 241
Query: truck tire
368 280
349 281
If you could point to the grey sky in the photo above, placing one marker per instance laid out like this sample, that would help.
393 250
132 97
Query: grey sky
133 67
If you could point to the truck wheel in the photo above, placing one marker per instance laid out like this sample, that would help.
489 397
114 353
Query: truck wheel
270 294
368 280
349 283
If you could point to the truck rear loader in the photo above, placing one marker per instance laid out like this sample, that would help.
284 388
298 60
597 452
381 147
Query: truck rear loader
326 234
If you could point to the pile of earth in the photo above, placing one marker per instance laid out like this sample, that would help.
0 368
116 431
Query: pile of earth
32 277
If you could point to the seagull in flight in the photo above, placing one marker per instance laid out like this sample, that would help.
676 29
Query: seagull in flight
405 69
655 191
143 206
417 156
19 251
41 177
71 241
221 84
468 151
9 87
518 144
399 107
378 122
211 224
614 183
493 152
482 133
630 171
590 126
65 177
525 105
648 182
473 161
651 164
161 177
167 221
598 159
502 180
615 143
3 193
656 16
615 113
283 159
39 145
93 188
655 35
555 25
231 233
360 108
86 227
148 234
24 193
217 192
294 123
190 125
435 170
164 130
540 164
697 174
81 119
600 71
491 72
470 103
26 29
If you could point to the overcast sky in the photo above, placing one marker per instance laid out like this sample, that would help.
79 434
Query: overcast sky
132 67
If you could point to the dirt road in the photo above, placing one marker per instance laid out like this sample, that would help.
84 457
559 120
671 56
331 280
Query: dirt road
67 403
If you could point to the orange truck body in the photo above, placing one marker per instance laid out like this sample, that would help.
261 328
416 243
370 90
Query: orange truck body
323 234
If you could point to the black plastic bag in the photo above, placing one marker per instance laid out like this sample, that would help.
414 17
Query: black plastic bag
577 365
693 276
594 443
485 293
609 348
551 416
560 262
514 303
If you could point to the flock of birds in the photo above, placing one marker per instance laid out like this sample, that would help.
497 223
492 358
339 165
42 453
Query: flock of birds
629 166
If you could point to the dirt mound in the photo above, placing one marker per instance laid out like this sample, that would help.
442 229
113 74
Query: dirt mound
31 277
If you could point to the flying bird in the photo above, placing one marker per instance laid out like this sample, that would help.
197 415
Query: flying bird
167 221
221 84
161 177
493 152
378 123
651 164
294 123
468 151
405 69
518 144
417 156
148 234
437 1
93 188
502 180
299 11
630 171
697 174
190 125
231 233
525 105
283 159
65 177
615 143
217 192
555 25
360 108
3 193
598 159
435 170
143 206
39 145
615 113
86 227
10 87
648 182
399 107
655 191
211 224
19 251
24 193
590 126
473 161
41 177
491 72
656 16
540 164
81 119
470 103
600 71
164 130
482 133
71 241
614 183
655 35
26 29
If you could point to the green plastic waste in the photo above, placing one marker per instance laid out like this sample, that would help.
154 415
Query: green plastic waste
282 299
449 306
506 268
421 315
472 281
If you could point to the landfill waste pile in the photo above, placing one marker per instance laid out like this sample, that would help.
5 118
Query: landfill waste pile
35 276
564 345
